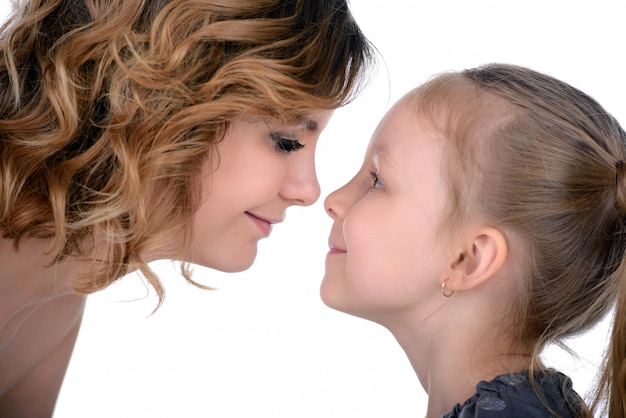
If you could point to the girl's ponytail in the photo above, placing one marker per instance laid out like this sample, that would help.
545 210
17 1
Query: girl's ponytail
612 384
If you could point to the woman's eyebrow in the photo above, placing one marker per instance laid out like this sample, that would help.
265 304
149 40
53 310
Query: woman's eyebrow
311 125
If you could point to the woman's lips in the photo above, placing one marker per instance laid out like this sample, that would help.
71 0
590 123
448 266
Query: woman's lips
264 225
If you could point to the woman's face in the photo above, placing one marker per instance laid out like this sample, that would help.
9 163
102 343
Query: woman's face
260 170
385 255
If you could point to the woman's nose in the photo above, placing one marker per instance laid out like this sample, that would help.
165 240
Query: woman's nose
301 186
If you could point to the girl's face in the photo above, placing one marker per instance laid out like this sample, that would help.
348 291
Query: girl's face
261 170
385 250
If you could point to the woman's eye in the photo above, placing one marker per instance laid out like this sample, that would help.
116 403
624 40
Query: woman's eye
376 184
286 144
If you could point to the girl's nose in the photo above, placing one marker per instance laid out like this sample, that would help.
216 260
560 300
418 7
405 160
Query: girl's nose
335 204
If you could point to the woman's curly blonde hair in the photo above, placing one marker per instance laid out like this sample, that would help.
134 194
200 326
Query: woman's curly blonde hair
108 109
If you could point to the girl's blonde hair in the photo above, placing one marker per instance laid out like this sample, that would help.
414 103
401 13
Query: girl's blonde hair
108 109
545 162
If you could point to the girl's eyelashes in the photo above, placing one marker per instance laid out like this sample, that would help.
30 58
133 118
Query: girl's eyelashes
376 183
286 145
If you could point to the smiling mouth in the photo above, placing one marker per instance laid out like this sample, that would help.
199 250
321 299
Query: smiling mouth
264 225
335 250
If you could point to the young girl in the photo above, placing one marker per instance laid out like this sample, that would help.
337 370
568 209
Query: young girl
487 221
137 130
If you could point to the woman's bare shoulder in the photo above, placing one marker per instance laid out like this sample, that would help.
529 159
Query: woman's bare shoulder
39 323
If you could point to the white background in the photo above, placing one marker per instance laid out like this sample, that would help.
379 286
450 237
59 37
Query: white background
264 345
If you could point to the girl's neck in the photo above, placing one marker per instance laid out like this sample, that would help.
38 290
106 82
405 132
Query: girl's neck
451 355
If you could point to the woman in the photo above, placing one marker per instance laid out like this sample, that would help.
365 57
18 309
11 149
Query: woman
134 131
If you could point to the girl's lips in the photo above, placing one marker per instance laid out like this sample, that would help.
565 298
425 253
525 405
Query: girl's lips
264 225
335 250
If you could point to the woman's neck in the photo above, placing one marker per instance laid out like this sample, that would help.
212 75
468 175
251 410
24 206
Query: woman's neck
28 277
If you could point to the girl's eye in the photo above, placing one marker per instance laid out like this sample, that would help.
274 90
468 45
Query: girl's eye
376 184
286 144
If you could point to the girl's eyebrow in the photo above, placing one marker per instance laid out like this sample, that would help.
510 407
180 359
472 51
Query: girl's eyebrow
381 154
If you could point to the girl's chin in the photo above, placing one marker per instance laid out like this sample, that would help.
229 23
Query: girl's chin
331 297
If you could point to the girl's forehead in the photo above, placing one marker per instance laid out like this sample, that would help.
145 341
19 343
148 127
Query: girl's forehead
401 121
402 137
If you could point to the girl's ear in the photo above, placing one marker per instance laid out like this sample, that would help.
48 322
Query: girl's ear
479 260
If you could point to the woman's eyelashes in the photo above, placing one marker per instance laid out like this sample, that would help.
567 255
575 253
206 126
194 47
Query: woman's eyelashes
285 144
376 183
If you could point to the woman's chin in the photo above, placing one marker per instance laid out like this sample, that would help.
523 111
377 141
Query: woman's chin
232 263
